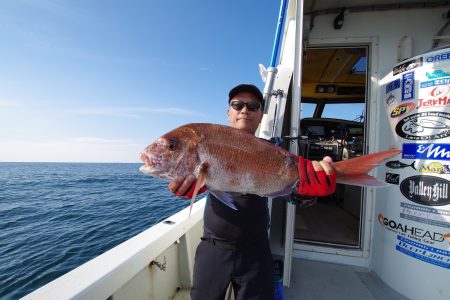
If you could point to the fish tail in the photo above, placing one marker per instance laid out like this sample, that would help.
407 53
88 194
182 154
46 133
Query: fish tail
413 165
354 171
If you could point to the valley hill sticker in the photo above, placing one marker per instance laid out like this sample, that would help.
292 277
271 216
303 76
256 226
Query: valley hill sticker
426 190
431 125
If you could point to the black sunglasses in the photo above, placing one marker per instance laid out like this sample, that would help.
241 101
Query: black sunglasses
251 106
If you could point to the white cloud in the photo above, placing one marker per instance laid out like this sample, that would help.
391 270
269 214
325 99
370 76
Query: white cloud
99 141
6 103
206 69
136 112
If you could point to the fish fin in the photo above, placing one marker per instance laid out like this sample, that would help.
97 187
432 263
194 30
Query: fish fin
201 180
361 165
225 198
413 165
283 192
361 180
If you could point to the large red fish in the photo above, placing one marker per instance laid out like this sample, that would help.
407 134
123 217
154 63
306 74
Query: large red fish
226 159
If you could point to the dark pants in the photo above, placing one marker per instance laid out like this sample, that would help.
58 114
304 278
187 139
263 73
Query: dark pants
249 268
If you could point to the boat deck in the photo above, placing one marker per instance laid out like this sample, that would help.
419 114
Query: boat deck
313 280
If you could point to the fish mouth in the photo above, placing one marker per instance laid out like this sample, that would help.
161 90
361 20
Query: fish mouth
148 166
145 159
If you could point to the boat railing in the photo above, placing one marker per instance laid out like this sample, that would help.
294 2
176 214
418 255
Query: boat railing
155 264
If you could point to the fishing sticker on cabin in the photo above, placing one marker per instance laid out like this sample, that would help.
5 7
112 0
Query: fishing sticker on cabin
439 57
426 190
408 86
402 109
423 234
390 100
396 164
437 98
435 82
419 241
393 178
435 167
409 65
425 214
423 252
431 125
393 85
426 151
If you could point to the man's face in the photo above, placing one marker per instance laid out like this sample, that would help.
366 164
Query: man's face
244 118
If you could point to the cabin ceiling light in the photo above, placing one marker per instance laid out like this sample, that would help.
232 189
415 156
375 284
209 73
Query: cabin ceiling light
323 88
339 20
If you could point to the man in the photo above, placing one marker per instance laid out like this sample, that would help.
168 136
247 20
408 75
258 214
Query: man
235 246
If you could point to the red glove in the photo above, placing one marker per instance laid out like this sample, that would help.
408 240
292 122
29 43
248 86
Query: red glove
190 192
314 183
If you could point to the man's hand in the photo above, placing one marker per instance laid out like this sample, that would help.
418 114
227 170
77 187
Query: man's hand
317 179
184 186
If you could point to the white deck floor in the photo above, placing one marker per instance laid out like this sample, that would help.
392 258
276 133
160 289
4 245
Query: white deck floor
312 280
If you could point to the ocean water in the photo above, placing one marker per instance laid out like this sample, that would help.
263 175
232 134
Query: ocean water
56 216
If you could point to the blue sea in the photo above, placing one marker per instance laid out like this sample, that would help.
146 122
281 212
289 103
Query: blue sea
56 216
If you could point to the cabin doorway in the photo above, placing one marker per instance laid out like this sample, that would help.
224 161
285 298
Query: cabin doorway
333 109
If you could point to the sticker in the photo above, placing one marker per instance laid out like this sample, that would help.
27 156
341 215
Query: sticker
432 103
402 109
437 74
423 252
437 57
439 91
435 82
426 151
390 100
396 164
393 85
413 231
409 65
424 126
426 190
393 178
435 168
425 214
408 86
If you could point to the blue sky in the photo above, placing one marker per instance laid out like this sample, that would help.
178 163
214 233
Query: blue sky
96 81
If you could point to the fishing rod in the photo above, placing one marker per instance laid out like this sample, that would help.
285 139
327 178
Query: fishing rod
270 73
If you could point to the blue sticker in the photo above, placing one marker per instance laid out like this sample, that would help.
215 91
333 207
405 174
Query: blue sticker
425 253
426 151
438 57
408 86
393 85
440 81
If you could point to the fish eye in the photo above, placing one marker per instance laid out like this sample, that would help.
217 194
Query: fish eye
172 145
